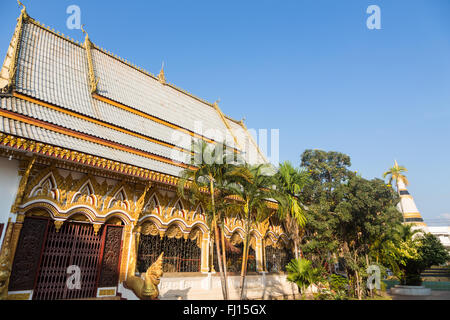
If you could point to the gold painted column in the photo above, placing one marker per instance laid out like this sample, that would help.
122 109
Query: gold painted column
259 254
205 253
128 259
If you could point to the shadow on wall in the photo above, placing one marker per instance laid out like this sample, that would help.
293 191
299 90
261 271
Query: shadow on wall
176 294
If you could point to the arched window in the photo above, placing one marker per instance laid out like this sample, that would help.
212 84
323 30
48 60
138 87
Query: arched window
234 253
180 255
276 255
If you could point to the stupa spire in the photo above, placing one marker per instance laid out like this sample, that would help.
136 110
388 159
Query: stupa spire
407 205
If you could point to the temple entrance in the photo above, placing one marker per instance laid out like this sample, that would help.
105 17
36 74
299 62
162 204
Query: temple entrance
45 255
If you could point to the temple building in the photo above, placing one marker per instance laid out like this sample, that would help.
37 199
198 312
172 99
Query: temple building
91 149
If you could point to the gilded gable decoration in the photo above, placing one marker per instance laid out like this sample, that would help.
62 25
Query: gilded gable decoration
85 194
152 205
119 200
93 81
199 213
46 188
177 209
174 231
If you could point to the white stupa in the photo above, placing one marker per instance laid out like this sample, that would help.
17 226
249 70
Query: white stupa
407 206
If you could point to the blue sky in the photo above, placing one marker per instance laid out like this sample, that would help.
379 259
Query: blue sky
311 69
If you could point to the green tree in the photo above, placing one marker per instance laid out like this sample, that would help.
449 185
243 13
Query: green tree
396 173
346 215
209 184
252 184
366 213
327 171
415 252
303 274
289 183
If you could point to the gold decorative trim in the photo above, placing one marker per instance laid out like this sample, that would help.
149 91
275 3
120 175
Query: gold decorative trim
161 76
22 185
9 80
19 296
222 117
26 145
58 225
106 292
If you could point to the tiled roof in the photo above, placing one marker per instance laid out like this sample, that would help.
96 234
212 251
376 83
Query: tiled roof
83 126
251 152
131 109
20 129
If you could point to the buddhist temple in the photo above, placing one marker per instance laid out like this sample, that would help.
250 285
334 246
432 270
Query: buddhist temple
91 149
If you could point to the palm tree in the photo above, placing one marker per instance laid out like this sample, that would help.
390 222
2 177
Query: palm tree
396 173
289 183
301 272
208 185
253 185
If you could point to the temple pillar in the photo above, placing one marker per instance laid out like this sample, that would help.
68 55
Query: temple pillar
259 254
128 259
205 253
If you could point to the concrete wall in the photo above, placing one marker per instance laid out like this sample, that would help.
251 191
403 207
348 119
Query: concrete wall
208 287
9 182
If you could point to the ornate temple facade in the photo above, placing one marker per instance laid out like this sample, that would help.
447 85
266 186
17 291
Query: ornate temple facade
91 148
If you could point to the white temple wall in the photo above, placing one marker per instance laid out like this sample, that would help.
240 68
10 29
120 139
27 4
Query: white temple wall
208 287
9 182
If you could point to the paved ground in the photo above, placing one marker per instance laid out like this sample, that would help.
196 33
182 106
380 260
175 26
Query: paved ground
435 295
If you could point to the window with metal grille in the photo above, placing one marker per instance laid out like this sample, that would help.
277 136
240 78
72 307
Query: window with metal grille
234 259
277 258
180 255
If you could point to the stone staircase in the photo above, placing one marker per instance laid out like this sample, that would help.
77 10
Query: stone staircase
437 273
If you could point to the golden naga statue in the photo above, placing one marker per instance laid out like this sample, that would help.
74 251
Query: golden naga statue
146 288
5 271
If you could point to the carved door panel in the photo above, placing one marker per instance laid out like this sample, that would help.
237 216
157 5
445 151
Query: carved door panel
44 255
28 253
74 244
109 270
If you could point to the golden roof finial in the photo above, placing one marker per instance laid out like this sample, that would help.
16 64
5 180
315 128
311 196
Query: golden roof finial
84 31
24 11
216 103
21 4
161 75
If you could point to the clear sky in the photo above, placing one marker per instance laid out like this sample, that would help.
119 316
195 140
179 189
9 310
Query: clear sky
311 69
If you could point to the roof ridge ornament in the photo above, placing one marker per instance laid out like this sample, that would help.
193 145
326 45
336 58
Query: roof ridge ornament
93 81
8 69
161 76
24 11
